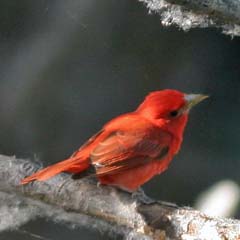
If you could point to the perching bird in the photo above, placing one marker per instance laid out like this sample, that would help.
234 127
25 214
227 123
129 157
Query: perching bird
133 147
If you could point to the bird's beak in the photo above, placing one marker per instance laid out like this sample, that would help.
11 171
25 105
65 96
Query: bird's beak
193 99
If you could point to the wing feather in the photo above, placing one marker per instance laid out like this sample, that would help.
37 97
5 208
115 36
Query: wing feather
122 150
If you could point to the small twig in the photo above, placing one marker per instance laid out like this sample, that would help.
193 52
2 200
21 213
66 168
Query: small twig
33 235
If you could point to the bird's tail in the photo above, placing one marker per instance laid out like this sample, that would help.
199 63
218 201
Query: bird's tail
72 165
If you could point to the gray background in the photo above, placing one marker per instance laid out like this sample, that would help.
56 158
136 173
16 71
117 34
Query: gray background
67 67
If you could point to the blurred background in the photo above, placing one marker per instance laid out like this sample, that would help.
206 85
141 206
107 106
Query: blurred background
67 67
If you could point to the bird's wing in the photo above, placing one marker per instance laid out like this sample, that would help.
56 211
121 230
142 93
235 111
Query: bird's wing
123 150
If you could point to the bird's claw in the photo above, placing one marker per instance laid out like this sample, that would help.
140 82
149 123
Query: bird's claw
141 197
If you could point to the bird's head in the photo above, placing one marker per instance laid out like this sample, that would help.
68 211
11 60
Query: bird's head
169 107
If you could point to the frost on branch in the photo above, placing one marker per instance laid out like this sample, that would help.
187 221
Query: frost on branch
83 203
189 14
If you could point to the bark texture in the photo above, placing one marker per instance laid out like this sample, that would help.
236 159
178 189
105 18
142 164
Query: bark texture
82 202
187 14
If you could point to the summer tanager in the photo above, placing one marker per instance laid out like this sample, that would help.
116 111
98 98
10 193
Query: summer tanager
132 148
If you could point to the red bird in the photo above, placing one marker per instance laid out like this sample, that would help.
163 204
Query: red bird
132 148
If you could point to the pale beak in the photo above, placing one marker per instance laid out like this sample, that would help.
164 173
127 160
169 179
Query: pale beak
193 99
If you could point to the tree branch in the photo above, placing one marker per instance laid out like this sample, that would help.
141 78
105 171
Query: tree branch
82 202
188 14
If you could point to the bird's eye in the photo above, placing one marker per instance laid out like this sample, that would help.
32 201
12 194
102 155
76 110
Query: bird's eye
173 113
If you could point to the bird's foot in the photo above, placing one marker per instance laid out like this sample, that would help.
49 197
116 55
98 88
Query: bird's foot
141 197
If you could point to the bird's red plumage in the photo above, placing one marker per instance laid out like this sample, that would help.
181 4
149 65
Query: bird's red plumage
131 148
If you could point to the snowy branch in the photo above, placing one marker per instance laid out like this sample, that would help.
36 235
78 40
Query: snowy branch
188 14
82 202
